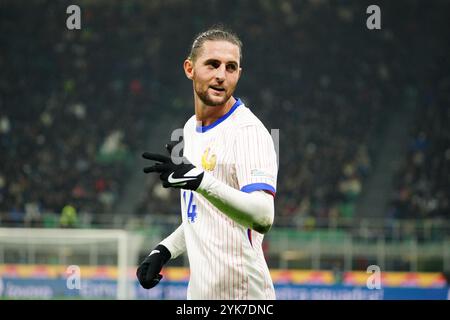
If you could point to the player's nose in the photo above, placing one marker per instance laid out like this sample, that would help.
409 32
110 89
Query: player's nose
220 73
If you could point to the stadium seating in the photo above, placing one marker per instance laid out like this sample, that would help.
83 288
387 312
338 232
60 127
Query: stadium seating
76 107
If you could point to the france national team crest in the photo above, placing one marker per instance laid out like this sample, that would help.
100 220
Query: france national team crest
191 212
208 161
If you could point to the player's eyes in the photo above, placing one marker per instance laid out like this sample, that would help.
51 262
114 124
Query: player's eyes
214 64
231 67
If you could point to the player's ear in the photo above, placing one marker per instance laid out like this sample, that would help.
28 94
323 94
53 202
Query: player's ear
188 66
240 72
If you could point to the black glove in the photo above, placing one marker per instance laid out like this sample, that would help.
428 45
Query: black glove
184 175
148 272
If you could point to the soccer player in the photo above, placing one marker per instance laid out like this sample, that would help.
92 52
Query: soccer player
227 178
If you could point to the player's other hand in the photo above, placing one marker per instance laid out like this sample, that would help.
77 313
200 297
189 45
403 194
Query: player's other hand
183 175
148 273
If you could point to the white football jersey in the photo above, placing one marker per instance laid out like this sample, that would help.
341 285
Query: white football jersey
226 259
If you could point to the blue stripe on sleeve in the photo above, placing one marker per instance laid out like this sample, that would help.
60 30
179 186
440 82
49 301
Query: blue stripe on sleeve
256 187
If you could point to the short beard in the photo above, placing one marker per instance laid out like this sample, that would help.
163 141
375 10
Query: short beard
204 96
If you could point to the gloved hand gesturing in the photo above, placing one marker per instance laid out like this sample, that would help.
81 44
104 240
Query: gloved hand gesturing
148 272
183 175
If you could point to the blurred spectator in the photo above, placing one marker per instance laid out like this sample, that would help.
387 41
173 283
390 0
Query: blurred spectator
69 217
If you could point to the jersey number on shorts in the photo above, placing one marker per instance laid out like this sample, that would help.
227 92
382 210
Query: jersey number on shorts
191 213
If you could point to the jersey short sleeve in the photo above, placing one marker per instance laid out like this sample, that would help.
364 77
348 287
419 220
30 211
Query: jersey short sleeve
256 161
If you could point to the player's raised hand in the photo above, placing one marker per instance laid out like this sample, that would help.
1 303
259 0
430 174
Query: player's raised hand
183 175
148 273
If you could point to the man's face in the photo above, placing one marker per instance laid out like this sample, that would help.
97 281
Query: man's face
215 72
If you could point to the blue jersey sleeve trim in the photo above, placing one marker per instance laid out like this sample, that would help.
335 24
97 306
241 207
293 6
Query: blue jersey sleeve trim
258 186
249 234
221 119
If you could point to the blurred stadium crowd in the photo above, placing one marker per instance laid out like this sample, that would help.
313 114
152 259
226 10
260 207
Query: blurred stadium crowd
422 183
77 107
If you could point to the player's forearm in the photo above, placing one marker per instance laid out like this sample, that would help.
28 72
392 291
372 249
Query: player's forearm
253 210
175 242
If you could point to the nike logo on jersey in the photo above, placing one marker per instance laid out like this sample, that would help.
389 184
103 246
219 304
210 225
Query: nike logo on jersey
154 251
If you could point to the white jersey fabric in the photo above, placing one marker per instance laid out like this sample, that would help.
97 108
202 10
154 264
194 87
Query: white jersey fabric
226 259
